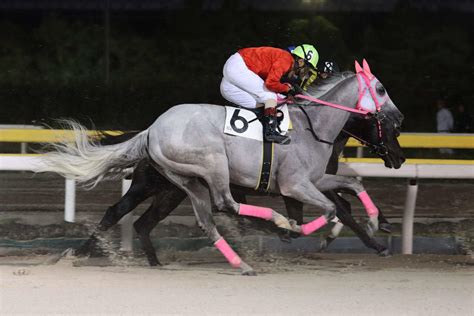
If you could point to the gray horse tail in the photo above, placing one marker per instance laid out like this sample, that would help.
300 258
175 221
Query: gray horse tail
87 161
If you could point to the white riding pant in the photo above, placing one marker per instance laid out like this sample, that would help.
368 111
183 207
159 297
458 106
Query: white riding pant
242 86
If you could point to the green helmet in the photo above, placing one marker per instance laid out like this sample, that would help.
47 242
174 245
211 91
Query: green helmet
308 53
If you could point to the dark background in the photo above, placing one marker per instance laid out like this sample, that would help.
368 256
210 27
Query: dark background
57 58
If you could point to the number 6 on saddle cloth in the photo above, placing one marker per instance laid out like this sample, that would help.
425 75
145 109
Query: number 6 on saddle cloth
245 123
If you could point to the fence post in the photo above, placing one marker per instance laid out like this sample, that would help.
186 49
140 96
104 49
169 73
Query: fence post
70 201
126 223
408 217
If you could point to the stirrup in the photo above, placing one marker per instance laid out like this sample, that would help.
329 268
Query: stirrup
270 133
277 138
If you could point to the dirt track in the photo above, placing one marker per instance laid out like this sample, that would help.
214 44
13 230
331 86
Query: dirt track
202 283
191 285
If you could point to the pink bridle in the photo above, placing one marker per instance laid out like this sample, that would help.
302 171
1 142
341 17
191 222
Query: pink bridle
368 102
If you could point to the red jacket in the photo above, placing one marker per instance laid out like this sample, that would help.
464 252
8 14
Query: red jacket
270 64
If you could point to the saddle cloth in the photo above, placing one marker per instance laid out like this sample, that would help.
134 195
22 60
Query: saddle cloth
244 123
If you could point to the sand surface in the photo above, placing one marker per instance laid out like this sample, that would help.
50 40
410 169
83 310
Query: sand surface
199 284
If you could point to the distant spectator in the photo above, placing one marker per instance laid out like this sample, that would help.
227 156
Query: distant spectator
462 120
444 122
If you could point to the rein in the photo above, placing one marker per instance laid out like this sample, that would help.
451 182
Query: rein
310 128
379 149
333 105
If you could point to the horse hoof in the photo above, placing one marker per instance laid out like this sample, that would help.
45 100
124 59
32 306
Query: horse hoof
323 245
97 252
295 228
282 222
295 235
369 230
154 263
372 226
385 253
285 238
80 253
249 273
386 228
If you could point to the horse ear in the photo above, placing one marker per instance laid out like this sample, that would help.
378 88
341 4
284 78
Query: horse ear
358 67
366 67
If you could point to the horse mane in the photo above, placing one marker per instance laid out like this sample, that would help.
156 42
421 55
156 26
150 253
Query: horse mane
320 87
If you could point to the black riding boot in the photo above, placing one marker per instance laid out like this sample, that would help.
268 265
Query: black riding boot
270 132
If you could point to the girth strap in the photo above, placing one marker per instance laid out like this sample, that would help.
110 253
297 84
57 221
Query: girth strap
263 183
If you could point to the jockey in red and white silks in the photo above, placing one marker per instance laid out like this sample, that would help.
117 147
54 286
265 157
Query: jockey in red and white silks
252 77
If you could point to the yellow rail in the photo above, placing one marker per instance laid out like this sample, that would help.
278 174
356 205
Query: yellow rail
41 135
412 161
407 140
422 140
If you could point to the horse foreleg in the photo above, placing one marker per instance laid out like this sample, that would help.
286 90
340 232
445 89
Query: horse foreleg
218 182
341 203
352 186
294 209
305 192
343 211
239 197
384 224
163 204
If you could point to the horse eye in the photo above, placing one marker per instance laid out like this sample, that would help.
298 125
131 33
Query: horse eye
380 89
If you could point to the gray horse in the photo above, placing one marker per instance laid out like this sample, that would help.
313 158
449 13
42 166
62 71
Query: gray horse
186 145
147 182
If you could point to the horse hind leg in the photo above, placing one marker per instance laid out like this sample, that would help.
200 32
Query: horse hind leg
198 193
144 184
137 193
163 204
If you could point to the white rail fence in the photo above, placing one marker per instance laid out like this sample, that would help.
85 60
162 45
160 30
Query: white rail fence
350 167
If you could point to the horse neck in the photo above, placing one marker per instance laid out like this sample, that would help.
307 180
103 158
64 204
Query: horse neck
340 143
352 126
327 121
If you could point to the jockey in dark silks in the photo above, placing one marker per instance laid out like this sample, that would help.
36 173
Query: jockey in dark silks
328 68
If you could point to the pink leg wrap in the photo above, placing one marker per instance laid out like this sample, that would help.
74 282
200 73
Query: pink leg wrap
370 207
313 226
256 211
228 253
